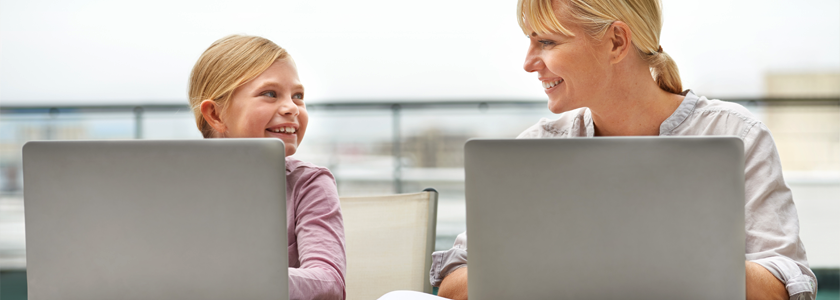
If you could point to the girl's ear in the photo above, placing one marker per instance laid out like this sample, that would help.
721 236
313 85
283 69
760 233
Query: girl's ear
212 114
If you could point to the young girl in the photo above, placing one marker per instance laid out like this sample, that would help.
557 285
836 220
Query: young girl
248 87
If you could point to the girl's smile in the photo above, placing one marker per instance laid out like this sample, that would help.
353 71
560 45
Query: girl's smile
271 105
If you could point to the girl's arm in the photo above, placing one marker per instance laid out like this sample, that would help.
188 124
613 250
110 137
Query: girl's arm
319 230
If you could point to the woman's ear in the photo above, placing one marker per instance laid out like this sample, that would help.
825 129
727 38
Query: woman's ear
620 38
212 114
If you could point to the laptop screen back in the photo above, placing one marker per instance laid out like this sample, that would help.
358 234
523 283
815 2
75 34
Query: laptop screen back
198 219
606 218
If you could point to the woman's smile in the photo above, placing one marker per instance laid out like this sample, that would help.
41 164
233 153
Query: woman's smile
551 85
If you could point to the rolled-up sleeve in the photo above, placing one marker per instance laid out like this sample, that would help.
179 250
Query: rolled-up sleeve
772 224
444 262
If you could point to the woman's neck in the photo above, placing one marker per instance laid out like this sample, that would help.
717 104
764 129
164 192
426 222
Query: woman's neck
634 105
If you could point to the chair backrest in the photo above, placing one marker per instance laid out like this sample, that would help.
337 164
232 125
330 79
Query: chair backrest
390 240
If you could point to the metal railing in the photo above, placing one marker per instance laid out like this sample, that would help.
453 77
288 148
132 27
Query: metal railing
396 109
388 139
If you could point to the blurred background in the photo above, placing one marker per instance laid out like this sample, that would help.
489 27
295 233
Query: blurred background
394 89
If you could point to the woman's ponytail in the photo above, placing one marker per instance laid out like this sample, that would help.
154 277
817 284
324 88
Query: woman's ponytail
665 72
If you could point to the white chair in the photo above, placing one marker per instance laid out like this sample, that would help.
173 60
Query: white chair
390 240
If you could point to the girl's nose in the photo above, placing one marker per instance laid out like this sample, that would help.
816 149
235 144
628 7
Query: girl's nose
288 107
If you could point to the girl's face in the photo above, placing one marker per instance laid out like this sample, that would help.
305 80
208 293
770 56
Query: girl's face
271 105
572 69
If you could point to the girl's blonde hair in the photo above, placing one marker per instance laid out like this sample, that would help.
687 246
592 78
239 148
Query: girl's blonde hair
595 16
226 65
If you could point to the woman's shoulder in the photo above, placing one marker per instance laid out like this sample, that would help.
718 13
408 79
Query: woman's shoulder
716 117
563 125
715 105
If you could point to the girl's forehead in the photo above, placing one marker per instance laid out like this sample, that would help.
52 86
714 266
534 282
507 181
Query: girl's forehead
279 72
283 65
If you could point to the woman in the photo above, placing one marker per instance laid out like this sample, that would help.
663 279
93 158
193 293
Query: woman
248 87
595 59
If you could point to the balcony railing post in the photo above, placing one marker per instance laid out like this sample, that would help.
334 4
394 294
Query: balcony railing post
138 123
50 129
397 152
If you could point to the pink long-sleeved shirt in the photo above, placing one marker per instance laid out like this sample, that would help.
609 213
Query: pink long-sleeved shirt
315 228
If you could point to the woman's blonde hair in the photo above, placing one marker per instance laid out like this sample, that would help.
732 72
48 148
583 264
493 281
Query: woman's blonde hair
595 16
226 65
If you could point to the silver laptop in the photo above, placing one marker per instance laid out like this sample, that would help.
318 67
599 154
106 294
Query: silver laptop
197 219
606 218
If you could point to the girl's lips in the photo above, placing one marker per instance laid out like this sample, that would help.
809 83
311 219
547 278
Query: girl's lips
288 132
283 128
287 138
280 134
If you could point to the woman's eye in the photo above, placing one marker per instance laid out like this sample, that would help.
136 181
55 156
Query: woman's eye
297 96
546 43
271 94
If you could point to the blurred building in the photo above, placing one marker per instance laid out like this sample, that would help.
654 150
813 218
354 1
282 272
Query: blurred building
807 131
803 85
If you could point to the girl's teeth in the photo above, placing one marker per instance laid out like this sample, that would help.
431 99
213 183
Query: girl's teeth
289 130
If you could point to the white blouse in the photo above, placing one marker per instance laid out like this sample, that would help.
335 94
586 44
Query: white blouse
772 225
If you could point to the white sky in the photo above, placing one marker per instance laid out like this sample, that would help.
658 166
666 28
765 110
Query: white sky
141 52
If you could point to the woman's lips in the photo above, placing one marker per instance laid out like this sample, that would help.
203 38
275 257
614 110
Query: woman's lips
550 86
552 83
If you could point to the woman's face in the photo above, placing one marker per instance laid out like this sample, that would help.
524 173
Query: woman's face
271 105
572 69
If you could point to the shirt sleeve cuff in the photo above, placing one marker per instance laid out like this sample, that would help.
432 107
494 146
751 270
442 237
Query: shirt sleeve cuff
444 262
800 281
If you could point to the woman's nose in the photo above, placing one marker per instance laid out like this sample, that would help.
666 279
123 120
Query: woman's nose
533 62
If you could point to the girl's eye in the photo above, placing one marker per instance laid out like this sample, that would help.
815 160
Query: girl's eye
547 43
297 96
271 94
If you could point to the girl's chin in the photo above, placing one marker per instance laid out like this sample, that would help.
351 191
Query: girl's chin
290 149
